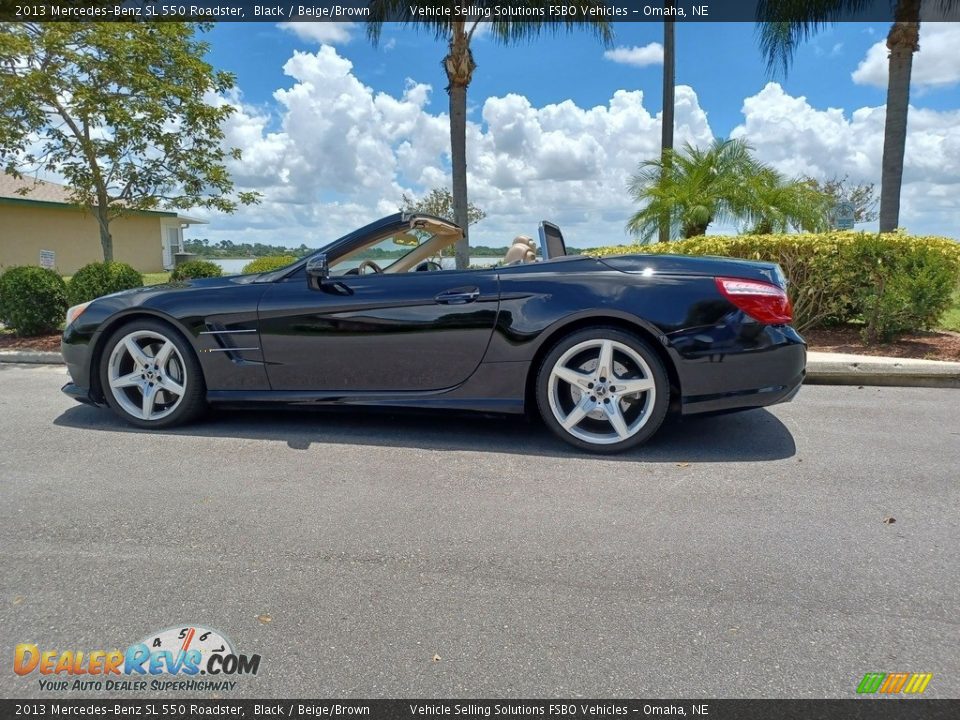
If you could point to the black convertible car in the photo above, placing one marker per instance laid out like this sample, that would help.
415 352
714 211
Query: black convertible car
602 347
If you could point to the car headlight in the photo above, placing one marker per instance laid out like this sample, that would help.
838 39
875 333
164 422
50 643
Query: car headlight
75 312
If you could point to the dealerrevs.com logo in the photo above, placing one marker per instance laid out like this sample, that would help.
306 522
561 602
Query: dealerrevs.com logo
185 653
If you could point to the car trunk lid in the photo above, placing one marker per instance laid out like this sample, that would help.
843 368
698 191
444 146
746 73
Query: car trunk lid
705 266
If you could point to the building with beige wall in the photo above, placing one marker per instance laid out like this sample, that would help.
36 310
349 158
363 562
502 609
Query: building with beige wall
43 221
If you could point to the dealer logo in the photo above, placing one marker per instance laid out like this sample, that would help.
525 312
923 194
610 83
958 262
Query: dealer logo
189 650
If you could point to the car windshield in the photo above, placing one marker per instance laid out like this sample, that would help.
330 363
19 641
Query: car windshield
397 252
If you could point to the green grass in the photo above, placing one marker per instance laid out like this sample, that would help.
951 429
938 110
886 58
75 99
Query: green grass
951 318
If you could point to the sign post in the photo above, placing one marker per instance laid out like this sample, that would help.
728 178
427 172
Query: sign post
843 215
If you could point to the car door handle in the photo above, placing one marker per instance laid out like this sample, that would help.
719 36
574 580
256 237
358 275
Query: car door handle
458 296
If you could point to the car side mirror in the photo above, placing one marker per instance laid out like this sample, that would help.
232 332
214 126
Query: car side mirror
318 271
317 268
318 276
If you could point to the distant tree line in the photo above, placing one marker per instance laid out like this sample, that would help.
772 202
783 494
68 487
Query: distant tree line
229 249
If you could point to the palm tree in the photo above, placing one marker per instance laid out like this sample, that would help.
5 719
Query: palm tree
438 17
721 183
780 204
785 23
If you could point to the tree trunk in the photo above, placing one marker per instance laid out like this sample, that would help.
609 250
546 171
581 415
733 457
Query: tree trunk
458 155
902 42
106 239
666 117
695 229
764 227
459 66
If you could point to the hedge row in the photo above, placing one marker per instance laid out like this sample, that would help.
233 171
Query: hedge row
194 269
268 263
34 300
893 283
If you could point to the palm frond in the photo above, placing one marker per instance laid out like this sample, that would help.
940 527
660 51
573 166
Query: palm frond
528 27
503 29
382 11
783 24
721 182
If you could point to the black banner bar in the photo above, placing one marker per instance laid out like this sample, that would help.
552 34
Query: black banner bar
516 10
852 709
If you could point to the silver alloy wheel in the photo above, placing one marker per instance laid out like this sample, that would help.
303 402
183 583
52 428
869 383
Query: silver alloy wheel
602 391
147 375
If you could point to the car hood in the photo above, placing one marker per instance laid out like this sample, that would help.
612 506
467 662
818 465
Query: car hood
147 294
190 284
707 265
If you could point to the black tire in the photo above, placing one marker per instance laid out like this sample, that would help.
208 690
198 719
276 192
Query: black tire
596 431
182 366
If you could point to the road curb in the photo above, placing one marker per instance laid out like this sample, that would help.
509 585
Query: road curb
887 372
31 357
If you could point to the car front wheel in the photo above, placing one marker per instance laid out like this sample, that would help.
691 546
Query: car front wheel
150 376
603 390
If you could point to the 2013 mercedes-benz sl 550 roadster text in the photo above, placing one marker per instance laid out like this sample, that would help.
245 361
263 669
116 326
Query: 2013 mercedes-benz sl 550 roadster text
603 348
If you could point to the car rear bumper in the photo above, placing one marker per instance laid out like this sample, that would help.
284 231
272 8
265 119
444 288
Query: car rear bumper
742 399
769 372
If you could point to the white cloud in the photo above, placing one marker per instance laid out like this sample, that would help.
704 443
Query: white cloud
335 154
936 64
339 154
334 33
799 139
651 54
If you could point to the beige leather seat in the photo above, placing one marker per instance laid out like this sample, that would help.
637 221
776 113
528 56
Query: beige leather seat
523 250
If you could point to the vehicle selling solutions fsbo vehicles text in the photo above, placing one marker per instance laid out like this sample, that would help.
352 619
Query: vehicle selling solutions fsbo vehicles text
559 10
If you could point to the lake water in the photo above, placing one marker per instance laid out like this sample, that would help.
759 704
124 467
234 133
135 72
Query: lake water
234 266
231 266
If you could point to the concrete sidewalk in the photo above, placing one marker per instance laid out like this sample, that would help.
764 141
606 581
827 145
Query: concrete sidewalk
31 357
847 369
822 369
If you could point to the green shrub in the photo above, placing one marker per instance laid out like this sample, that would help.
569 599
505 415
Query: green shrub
892 282
99 279
906 285
196 269
266 264
33 300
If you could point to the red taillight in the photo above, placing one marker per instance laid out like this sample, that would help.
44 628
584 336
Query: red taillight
764 302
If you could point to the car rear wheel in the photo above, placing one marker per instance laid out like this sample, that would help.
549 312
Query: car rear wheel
150 376
603 390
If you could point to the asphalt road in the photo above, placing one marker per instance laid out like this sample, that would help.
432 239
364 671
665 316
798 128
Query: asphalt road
401 555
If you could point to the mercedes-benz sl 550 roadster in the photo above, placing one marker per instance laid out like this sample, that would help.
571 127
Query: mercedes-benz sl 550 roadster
602 348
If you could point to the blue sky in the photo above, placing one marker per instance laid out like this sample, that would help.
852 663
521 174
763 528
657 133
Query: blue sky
720 62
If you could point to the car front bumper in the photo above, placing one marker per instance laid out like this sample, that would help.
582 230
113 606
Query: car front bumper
79 394
75 348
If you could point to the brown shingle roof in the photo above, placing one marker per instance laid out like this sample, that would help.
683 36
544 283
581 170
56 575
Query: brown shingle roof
40 190
51 192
